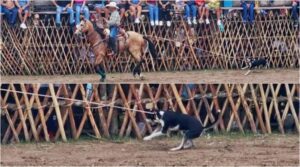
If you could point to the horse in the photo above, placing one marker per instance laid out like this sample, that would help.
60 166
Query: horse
134 43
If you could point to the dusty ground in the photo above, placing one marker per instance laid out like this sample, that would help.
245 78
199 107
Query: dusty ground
212 76
217 150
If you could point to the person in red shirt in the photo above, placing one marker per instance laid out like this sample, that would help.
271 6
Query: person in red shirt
201 9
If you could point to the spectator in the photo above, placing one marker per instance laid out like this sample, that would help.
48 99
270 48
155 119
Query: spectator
10 11
100 8
248 10
213 5
113 23
123 7
201 9
295 12
80 6
190 7
179 6
63 6
153 12
165 11
23 7
135 10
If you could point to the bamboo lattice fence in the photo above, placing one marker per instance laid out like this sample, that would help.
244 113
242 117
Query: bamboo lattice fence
48 50
64 112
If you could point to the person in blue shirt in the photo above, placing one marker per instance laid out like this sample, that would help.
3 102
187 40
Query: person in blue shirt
23 8
248 10
8 8
100 8
135 10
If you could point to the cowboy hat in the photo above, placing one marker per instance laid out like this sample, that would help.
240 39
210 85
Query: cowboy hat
112 5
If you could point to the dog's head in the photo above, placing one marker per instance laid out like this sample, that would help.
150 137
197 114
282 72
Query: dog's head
154 116
249 59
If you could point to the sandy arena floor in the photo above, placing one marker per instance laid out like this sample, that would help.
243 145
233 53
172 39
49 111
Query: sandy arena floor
213 76
217 150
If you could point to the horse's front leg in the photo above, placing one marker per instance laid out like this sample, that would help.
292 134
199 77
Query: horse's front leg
137 70
136 54
99 68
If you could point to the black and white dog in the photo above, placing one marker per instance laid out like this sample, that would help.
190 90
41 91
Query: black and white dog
173 121
255 63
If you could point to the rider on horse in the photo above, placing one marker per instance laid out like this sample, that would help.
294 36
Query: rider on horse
114 27
113 23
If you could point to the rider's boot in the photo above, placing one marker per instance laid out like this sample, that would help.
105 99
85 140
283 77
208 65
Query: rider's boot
113 46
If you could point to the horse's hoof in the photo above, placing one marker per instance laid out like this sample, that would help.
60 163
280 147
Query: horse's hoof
142 77
135 75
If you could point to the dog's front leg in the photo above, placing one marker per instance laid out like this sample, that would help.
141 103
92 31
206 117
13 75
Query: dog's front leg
248 72
244 68
180 146
176 128
153 135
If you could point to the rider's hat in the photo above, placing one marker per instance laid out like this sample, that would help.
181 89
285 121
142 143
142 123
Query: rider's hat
112 5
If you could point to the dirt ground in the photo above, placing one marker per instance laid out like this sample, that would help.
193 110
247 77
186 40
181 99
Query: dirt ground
211 76
219 150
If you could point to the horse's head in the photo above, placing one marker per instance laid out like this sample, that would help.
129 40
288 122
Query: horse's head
84 27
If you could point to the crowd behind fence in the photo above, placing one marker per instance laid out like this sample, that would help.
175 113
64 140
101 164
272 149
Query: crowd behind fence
45 49
159 11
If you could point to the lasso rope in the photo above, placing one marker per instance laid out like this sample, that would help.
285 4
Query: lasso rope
99 105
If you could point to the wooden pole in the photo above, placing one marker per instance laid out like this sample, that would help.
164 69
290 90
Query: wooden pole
41 111
135 127
290 101
58 114
178 98
264 102
21 115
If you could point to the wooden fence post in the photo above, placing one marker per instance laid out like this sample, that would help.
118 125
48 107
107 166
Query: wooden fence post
58 113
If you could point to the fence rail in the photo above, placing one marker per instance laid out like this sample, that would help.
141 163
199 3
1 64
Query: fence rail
34 112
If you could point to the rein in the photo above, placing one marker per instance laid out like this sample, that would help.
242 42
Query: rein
97 43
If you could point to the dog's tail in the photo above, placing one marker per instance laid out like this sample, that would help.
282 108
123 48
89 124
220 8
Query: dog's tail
211 125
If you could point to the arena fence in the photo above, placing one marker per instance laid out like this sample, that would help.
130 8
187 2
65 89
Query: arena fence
45 49
35 112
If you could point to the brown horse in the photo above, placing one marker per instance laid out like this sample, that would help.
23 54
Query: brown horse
135 43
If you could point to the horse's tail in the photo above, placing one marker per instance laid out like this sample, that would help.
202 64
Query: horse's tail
151 47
